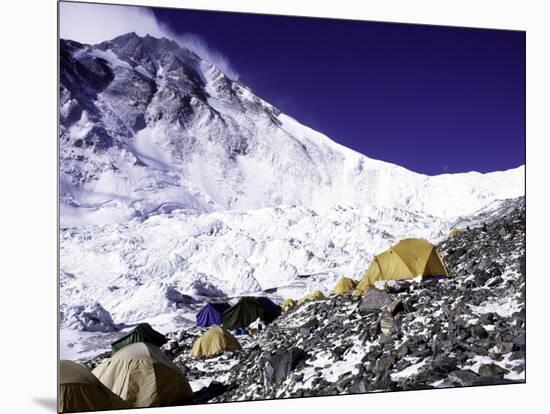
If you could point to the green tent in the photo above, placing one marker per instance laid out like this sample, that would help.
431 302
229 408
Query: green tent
141 333
247 310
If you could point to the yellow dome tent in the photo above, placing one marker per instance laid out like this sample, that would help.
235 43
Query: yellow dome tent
344 285
406 260
455 232
79 390
317 295
213 341
144 377
288 304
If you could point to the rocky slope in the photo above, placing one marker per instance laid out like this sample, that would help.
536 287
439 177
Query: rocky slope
466 330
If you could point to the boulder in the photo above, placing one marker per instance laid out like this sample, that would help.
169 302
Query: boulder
338 352
309 327
373 301
205 394
501 349
479 331
343 381
443 365
358 387
277 366
463 378
491 370
481 277
402 351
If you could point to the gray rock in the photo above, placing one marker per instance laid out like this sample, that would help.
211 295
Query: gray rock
443 365
479 332
343 381
501 349
358 387
338 352
309 326
277 366
491 370
464 378
373 301
402 351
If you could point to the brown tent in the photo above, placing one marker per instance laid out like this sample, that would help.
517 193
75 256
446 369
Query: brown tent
144 377
214 341
80 391
406 260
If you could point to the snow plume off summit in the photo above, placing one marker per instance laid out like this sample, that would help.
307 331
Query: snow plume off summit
149 127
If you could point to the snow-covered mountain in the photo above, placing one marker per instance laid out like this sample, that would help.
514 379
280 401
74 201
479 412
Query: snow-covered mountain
179 184
148 127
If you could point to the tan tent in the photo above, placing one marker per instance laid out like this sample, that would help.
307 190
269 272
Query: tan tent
406 260
213 341
79 390
317 295
344 285
144 377
455 232
288 304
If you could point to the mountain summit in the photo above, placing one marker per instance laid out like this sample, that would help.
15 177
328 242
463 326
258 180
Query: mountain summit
148 127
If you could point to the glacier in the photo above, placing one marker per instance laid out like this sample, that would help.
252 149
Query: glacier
177 180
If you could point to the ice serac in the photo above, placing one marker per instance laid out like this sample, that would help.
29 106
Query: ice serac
148 127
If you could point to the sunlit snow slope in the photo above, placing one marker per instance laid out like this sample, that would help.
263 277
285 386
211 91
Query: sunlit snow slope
149 127
179 184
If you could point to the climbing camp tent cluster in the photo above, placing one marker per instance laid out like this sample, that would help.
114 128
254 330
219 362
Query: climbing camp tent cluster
141 333
138 374
406 260
214 341
144 377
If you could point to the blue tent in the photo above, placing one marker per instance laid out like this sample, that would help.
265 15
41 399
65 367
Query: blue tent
211 314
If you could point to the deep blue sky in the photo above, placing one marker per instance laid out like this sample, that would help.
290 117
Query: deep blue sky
432 99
